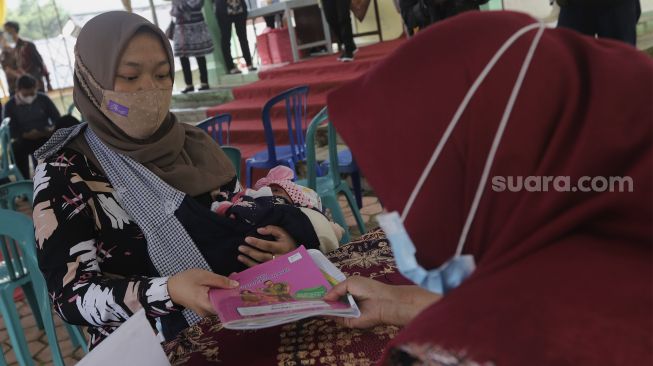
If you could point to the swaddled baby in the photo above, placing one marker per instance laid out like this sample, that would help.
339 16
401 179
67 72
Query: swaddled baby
270 203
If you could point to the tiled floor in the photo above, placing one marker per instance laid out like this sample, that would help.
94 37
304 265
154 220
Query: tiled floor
38 343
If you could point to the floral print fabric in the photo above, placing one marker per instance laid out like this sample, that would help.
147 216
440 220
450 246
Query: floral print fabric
92 254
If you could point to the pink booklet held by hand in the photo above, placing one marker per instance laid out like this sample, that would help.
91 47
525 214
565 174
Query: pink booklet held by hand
283 290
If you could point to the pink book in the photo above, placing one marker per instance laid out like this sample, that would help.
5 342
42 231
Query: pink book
286 289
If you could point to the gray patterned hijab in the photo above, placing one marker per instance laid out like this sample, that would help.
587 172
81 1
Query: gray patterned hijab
182 155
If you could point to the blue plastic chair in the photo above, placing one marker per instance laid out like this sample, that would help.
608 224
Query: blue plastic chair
8 168
213 126
329 186
11 267
295 101
235 156
19 228
14 272
347 165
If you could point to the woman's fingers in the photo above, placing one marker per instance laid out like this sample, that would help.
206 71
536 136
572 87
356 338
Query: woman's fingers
261 244
257 255
190 289
262 250
358 287
337 291
275 231
215 280
247 261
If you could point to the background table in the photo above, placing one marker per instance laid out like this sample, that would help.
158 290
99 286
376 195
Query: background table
313 341
288 8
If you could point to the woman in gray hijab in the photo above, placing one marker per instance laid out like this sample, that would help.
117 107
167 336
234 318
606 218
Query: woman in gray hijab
113 198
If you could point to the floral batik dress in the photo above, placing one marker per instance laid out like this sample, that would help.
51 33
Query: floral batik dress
92 254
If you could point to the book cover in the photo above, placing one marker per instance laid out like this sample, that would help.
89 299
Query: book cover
286 289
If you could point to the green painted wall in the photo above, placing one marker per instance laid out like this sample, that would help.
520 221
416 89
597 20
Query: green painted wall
215 62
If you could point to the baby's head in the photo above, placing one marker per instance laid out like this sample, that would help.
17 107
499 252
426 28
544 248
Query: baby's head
279 179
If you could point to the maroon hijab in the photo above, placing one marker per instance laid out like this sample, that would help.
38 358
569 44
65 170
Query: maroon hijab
562 277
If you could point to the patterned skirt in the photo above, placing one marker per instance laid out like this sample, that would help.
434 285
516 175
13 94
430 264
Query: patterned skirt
192 39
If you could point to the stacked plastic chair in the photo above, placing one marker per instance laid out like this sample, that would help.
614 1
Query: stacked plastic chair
295 102
19 268
330 185
347 165
8 168
214 127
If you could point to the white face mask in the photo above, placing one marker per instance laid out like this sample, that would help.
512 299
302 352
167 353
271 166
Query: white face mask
453 272
27 99
9 38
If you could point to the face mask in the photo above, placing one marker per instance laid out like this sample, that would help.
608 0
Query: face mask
138 114
9 38
27 100
456 270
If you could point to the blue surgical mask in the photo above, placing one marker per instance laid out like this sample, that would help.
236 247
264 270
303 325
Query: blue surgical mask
457 269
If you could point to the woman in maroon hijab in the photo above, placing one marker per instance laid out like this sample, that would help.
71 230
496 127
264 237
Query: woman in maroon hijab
563 271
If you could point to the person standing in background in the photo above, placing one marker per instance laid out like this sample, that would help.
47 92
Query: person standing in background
28 58
234 12
339 19
191 39
32 117
616 19
9 65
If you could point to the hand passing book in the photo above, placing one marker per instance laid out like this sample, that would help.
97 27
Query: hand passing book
289 288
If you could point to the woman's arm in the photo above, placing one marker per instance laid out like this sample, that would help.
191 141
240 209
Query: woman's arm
69 253
380 303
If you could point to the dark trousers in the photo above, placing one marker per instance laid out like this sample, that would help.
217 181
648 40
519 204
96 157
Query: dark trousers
188 75
240 22
270 20
22 150
339 19
617 21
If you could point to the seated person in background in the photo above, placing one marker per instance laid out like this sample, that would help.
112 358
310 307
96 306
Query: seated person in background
272 196
32 116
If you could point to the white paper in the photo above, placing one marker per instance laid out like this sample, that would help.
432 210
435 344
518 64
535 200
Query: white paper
133 343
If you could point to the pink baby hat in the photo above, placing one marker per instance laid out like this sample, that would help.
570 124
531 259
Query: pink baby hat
282 176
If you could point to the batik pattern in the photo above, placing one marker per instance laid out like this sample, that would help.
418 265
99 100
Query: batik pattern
93 256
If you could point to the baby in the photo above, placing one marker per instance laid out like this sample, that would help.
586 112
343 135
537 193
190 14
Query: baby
252 206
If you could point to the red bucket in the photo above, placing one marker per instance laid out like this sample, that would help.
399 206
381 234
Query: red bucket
279 45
